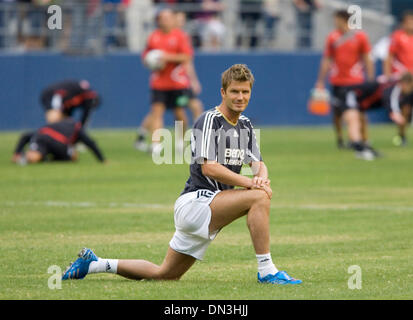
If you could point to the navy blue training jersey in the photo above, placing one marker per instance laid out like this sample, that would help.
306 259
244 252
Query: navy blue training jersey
215 138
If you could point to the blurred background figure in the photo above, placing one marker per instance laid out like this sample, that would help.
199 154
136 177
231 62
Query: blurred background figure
304 21
8 21
96 26
138 17
31 20
209 25
250 14
54 142
217 28
170 83
68 96
346 57
114 20
271 16
398 61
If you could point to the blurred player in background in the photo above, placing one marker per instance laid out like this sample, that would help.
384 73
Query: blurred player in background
400 60
169 85
54 141
223 140
390 94
65 97
346 52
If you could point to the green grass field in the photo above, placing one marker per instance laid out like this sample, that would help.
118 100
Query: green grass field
330 211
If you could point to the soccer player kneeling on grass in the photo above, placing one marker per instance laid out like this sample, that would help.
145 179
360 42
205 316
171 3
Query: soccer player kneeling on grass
55 141
222 140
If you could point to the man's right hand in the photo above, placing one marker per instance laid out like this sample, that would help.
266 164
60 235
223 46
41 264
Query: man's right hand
263 185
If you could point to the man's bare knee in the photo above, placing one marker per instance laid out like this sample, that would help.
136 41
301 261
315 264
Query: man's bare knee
261 197
168 275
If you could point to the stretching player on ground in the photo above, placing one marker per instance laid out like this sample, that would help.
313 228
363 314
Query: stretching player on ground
54 141
222 140
67 96
391 94
400 60
345 55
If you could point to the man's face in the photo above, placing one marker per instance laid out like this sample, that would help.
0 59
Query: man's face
237 96
408 24
166 20
180 19
340 23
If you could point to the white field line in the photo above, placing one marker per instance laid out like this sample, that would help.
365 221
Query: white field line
71 204
316 207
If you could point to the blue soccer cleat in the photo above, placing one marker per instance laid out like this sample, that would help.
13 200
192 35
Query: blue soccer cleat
281 277
80 268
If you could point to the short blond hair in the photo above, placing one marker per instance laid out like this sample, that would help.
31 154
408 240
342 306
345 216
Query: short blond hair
237 72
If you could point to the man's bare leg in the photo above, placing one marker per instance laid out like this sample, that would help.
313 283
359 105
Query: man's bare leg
196 107
142 133
352 119
364 122
180 115
173 267
157 113
338 128
406 112
226 207
230 205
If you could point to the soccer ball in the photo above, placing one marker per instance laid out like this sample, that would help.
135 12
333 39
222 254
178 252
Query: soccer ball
153 60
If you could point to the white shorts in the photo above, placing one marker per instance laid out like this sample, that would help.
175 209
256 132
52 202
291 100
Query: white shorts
192 216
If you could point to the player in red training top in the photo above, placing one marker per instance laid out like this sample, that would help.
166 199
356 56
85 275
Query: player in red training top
169 86
400 60
345 57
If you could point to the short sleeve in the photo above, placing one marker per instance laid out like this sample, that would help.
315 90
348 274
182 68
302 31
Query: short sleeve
329 50
393 48
185 45
364 43
204 138
253 149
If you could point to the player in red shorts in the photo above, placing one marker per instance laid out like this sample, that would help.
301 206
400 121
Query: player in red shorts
345 57
169 86
400 60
